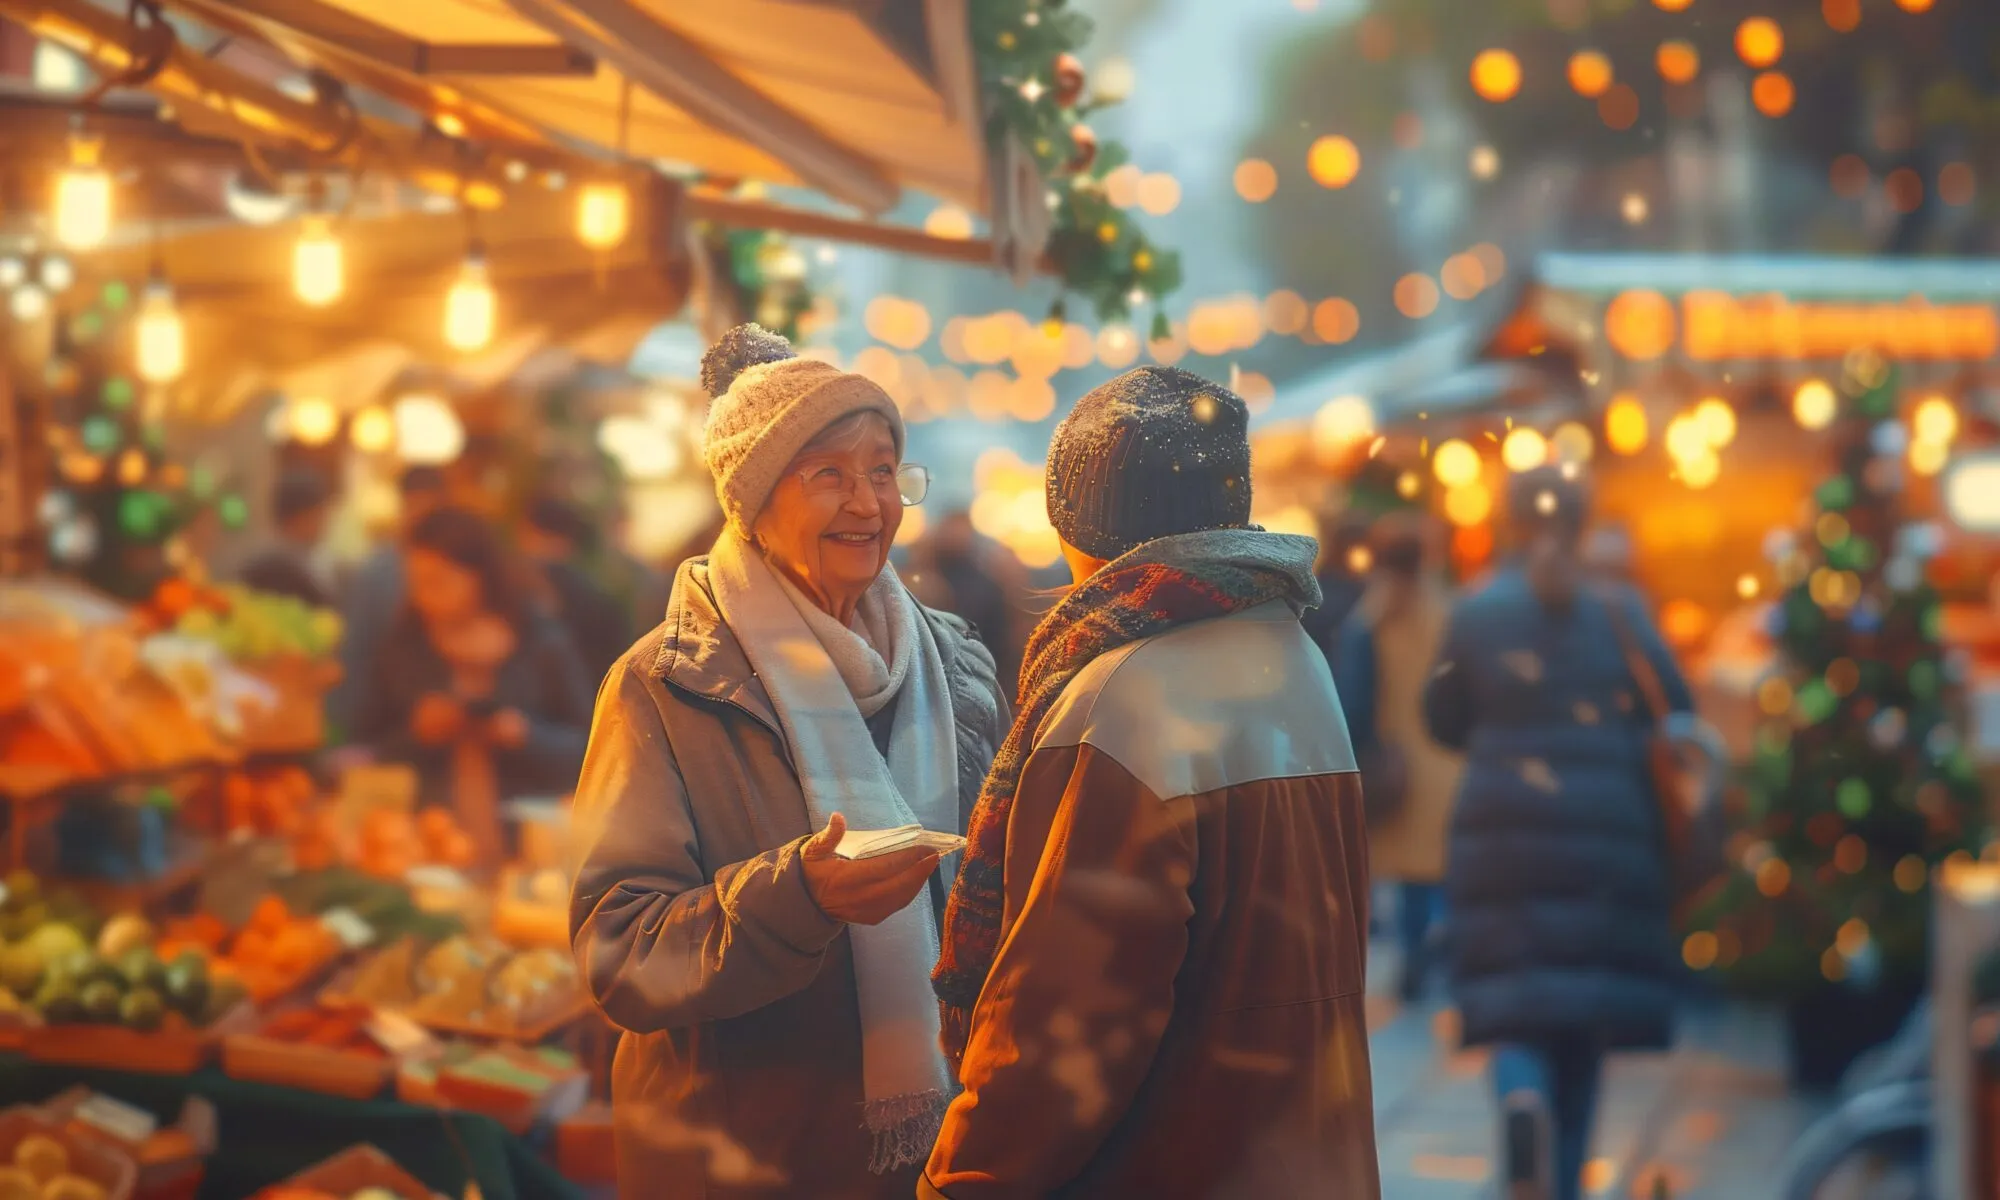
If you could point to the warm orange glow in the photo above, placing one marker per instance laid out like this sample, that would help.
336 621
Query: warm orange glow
1672 5
1336 321
1841 15
1625 425
1496 75
1699 950
1905 189
1472 545
1590 73
1678 62
1914 6
1773 877
1468 505
1773 93
1640 325
1492 262
1286 312
1759 42
1619 107
1463 277
1416 296
1956 184
1683 623
1718 326
1159 193
1850 854
1333 161
1256 180
1850 176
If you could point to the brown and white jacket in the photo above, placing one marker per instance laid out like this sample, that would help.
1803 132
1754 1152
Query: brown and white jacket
1176 1008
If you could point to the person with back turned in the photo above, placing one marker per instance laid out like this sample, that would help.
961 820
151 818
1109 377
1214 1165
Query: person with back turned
1152 980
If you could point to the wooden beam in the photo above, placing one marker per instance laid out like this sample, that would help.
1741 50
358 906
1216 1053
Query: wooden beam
677 70
484 122
756 214
333 26
220 99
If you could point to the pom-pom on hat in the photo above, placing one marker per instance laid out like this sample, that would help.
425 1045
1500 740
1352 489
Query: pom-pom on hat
766 405
1155 452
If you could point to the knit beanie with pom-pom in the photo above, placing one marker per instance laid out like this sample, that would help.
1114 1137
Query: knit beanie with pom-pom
766 405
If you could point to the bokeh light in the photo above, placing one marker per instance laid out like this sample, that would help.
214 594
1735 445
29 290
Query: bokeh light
1590 73
1333 161
1759 42
1677 62
1336 321
1416 296
1256 180
1814 404
1524 449
1773 93
1455 463
1496 75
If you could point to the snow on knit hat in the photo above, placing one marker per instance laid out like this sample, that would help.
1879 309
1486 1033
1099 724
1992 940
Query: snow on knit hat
766 405
1155 452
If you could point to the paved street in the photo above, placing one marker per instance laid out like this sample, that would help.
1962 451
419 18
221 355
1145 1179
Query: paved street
1713 1115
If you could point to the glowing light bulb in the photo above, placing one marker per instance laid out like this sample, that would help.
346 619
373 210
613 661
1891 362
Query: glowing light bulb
314 421
319 271
373 430
83 197
1524 450
1717 421
603 214
1935 421
162 341
468 307
1456 464
1814 404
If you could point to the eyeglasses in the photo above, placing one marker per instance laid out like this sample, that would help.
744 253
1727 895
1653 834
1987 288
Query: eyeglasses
910 482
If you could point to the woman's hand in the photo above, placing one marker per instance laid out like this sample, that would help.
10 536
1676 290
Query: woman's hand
437 719
866 891
508 729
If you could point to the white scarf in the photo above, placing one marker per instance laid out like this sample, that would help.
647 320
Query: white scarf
822 677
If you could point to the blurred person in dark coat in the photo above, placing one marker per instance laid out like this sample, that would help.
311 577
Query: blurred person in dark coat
372 599
953 569
555 537
1343 577
473 685
1561 945
302 505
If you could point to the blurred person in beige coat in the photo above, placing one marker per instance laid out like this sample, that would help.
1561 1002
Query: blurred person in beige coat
1386 649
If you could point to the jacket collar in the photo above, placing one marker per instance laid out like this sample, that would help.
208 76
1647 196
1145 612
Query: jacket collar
699 653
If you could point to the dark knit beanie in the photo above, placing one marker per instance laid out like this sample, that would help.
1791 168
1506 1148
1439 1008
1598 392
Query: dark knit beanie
1155 452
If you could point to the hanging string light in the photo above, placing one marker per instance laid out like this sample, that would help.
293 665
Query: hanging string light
604 206
162 341
83 196
469 306
319 271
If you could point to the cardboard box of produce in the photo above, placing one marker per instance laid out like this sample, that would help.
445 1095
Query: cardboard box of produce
312 1049
171 1159
47 1161
356 1173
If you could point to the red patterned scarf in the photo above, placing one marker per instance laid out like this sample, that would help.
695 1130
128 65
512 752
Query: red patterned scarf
1159 586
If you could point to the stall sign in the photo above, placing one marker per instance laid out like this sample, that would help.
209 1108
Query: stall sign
1718 326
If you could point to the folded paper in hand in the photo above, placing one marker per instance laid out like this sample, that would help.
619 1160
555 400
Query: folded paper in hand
874 843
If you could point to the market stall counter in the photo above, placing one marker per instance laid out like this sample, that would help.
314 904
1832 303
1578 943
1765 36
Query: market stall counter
268 1133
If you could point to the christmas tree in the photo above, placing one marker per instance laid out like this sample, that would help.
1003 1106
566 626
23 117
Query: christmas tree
119 499
1860 785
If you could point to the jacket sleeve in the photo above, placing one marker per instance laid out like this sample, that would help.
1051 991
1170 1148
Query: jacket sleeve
1081 990
1448 701
659 945
1354 677
1679 697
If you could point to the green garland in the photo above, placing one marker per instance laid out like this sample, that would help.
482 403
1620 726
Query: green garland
779 300
1097 249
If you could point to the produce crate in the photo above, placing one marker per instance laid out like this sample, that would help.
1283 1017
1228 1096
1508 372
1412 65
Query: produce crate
586 1149
171 1159
562 1007
172 1051
88 1157
330 1071
558 1092
355 1169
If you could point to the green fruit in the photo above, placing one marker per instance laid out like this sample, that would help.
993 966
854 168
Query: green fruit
186 985
100 999
55 941
143 968
57 1002
141 1008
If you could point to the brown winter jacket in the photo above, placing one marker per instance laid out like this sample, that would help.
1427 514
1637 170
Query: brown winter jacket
739 1074
1176 1007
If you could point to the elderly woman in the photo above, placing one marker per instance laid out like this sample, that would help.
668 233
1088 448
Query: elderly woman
781 1037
